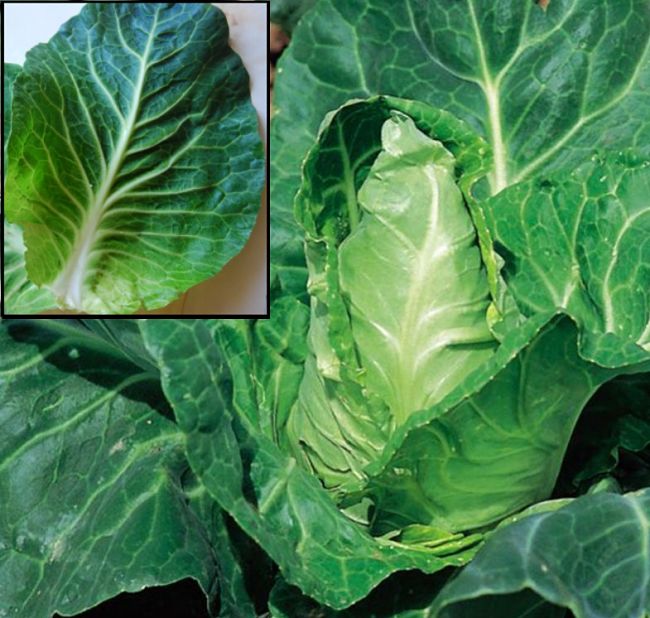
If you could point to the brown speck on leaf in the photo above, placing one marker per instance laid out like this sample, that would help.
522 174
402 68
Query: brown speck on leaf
543 4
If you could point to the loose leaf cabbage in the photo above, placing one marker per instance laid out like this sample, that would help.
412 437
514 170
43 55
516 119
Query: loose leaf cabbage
394 438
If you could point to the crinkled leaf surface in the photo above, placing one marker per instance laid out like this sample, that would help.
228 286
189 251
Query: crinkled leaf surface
136 163
19 294
281 506
590 556
91 476
545 85
279 347
579 242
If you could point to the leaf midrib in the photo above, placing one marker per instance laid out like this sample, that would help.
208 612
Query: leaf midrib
69 284
499 178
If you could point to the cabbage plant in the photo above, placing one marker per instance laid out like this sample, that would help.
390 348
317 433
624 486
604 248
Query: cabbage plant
446 413
134 163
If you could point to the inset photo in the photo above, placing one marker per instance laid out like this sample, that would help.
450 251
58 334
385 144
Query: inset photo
134 159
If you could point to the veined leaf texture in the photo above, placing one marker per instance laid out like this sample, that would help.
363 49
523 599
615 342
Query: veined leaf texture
135 162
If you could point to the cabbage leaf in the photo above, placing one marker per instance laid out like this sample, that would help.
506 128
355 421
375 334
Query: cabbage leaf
135 163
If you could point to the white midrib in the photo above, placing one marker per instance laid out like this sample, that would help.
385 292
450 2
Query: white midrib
68 286
499 178
409 335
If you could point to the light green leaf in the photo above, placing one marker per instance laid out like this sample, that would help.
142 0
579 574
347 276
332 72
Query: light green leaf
140 174
19 294
412 275
91 476
487 450
590 556
11 71
361 309
384 412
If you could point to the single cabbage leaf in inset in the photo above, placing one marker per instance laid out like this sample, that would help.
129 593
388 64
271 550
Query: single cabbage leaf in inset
135 162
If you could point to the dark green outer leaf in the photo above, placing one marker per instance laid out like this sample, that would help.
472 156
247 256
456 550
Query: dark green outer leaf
577 71
279 348
591 556
91 499
141 173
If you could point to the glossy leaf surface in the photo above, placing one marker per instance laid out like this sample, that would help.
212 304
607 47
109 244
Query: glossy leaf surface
579 242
